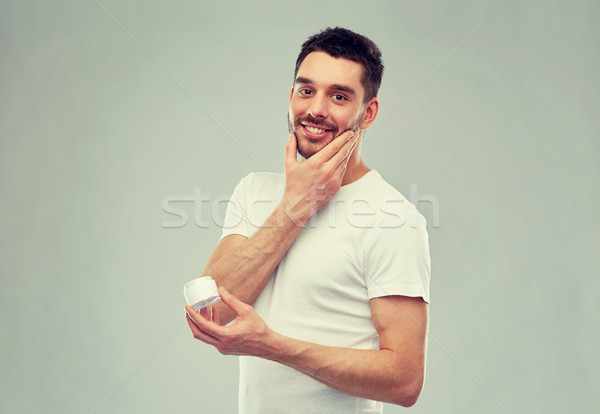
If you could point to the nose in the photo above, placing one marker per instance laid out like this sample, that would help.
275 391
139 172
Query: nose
318 107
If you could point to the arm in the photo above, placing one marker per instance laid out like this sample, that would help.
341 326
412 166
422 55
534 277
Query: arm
394 373
244 265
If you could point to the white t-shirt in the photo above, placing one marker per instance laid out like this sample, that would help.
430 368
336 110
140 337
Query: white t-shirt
368 242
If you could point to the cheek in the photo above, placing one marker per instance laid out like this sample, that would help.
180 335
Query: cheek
294 113
346 122
356 120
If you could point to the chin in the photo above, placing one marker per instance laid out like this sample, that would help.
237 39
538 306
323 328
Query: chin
307 149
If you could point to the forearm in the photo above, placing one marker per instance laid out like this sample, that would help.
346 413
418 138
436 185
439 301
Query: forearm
380 375
245 270
394 373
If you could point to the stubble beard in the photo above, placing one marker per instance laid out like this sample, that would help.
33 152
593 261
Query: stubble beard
306 148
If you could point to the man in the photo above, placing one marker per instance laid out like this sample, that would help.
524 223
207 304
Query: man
334 261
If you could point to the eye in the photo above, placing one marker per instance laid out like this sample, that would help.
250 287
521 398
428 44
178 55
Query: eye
339 97
304 91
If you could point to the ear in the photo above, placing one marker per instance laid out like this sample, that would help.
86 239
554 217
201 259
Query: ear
291 93
371 111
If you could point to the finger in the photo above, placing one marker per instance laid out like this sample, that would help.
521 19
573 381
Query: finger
291 150
342 166
334 147
343 156
203 324
193 314
215 315
231 301
200 334
341 170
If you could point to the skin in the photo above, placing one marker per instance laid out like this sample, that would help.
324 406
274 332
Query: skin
328 94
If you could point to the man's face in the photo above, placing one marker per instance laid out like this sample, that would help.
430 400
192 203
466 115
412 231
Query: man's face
327 100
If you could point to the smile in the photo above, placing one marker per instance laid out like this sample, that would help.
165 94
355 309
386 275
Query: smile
314 130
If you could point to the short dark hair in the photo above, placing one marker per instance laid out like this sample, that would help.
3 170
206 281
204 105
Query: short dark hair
344 43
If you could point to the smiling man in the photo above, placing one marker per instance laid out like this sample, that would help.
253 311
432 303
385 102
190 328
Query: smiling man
327 99
324 269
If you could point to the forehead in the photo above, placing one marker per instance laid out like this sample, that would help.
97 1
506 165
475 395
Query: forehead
324 70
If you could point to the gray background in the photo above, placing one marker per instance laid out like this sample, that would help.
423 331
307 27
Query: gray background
108 107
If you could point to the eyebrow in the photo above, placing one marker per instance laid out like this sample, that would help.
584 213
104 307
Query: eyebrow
337 87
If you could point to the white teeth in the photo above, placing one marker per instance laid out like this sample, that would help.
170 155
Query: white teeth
315 130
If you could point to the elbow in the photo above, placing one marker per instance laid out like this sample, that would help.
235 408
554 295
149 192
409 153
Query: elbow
408 394
408 401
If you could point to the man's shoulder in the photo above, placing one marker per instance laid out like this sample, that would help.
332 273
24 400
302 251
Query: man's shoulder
390 202
379 189
263 182
262 177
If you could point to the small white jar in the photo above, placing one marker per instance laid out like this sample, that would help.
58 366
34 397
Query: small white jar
202 292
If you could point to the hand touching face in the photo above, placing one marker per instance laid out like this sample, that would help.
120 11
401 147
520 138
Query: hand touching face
327 99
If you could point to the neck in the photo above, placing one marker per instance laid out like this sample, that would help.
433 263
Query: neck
356 167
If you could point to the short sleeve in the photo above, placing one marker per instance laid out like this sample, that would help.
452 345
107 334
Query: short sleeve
236 215
397 258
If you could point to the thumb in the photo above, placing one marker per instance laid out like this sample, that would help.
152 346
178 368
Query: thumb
291 150
231 301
